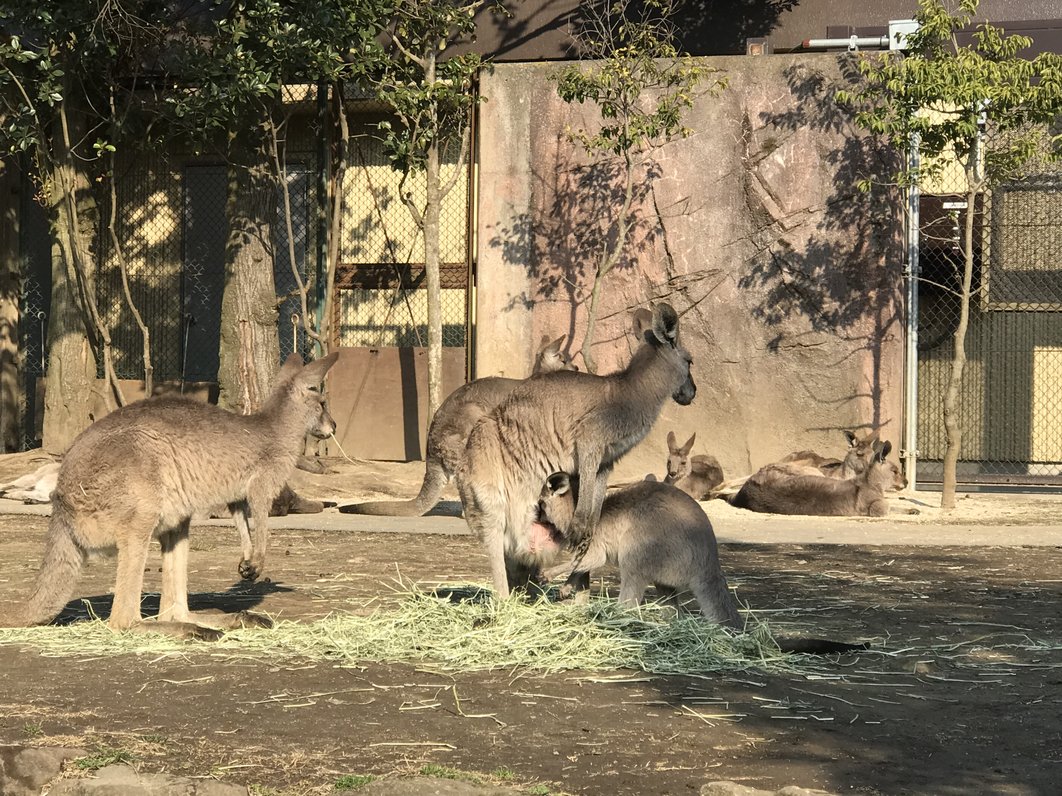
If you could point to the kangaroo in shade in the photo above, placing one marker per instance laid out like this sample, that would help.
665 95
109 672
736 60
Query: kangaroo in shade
449 430
697 475
566 421
656 534
142 471
775 490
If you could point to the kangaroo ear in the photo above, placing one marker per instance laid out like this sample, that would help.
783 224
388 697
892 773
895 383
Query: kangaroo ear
689 445
671 441
548 346
851 437
558 483
665 324
291 366
643 322
314 373
884 450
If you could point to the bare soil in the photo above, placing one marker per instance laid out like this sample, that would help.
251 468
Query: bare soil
961 692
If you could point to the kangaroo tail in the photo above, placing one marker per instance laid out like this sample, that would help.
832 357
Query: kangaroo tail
435 479
57 577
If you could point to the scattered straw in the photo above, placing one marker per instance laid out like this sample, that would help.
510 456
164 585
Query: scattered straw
463 635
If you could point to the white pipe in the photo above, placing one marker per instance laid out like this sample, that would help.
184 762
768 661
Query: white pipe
852 43
911 272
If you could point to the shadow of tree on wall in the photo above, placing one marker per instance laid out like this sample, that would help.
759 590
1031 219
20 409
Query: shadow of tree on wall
846 274
560 243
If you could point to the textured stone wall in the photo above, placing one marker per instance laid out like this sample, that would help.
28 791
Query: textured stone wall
788 278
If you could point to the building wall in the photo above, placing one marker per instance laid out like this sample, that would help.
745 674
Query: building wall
786 276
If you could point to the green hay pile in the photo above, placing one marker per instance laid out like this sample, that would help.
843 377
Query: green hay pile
465 635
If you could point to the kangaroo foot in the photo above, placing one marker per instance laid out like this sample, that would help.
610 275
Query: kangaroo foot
183 630
248 570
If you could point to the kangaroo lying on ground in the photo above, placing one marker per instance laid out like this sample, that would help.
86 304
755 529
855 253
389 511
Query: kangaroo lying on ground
565 422
776 490
143 470
655 534
808 462
449 430
694 475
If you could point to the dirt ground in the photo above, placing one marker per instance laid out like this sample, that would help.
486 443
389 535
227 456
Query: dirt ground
959 694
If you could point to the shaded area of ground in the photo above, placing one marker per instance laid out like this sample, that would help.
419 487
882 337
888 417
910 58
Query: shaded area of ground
961 694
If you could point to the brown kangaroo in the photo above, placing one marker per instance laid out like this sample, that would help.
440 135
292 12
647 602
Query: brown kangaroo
776 490
449 430
142 471
697 475
654 533
860 453
565 422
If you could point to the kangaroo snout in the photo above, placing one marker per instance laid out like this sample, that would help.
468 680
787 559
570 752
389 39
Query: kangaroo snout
325 427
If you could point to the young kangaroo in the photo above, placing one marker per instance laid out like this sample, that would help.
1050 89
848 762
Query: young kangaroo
654 533
143 470
565 422
449 430
775 490
860 453
694 475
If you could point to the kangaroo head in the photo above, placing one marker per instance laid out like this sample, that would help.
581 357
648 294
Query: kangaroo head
883 473
301 386
550 358
556 504
678 459
659 327
861 450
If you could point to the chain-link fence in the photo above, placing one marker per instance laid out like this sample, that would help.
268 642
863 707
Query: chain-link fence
1011 398
381 298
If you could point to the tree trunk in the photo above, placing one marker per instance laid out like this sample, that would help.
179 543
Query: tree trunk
70 384
9 308
250 348
432 210
952 422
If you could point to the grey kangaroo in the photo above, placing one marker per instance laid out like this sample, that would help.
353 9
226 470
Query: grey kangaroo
449 430
697 475
142 471
565 422
654 533
776 490
860 453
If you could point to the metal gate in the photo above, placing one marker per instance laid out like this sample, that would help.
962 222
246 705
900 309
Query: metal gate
1011 399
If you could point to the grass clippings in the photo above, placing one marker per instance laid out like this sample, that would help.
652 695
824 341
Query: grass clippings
463 635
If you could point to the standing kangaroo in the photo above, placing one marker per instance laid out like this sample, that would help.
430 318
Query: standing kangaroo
565 422
143 470
654 533
694 475
449 430
775 490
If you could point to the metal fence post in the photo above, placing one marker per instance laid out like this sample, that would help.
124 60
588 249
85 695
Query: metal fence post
911 271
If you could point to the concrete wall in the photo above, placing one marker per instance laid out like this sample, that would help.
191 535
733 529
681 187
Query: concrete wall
788 277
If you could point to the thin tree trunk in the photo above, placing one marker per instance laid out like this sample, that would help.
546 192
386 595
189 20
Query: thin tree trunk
250 347
952 420
432 278
10 419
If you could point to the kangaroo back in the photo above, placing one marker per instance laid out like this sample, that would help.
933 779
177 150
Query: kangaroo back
449 430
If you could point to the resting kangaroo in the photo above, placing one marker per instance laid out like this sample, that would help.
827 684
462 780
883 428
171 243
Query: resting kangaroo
694 475
775 490
860 452
142 471
565 422
654 533
449 430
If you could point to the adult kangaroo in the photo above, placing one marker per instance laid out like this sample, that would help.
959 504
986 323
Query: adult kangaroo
656 534
859 454
142 471
696 475
775 490
571 422
449 430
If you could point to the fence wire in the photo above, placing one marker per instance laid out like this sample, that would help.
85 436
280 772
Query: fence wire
1011 397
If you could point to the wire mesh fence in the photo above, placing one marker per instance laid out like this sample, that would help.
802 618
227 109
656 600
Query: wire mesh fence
1011 396
164 253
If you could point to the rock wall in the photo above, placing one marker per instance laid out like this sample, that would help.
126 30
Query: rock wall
788 278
